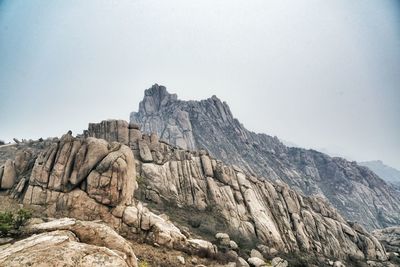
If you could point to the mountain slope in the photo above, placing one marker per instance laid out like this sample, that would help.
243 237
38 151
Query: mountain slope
205 194
358 193
387 173
89 178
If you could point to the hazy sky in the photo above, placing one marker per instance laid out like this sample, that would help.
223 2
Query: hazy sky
322 74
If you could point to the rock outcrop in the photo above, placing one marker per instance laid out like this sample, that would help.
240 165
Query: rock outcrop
387 173
355 191
251 207
91 179
69 242
389 237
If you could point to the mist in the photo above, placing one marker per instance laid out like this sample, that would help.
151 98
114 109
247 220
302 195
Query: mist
321 74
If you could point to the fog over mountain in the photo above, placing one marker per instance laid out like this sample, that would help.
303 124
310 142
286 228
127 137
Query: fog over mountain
387 173
317 73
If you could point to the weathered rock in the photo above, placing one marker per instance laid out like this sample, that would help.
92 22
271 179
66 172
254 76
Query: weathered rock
134 135
389 237
256 254
278 262
181 260
9 176
254 209
355 191
223 239
145 152
65 164
112 182
245 205
60 248
110 130
179 130
338 264
207 167
256 262
241 263
90 233
198 244
233 245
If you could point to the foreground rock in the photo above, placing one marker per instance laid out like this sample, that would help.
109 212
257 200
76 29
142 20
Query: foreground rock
68 242
358 193
91 179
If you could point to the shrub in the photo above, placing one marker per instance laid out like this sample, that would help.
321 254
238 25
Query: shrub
356 262
10 221
143 264
21 217
2 142
6 222
394 259
220 257
194 222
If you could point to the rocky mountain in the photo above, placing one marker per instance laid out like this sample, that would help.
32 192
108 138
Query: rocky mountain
247 207
127 180
389 237
358 193
387 173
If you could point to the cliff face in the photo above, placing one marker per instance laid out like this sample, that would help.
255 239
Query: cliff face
88 179
193 182
355 191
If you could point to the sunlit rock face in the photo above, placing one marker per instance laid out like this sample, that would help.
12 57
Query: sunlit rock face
359 194
69 242
88 179
253 208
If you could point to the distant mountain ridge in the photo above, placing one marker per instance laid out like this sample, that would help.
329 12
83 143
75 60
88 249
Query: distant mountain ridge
357 192
387 173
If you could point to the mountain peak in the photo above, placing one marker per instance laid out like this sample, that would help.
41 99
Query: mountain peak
155 98
209 124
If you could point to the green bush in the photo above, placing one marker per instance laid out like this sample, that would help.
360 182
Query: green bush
6 222
10 221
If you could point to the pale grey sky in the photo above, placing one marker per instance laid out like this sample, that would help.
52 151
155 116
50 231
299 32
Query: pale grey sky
322 74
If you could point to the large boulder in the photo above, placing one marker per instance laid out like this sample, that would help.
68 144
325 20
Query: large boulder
145 153
9 176
92 233
106 171
256 262
110 130
112 182
60 248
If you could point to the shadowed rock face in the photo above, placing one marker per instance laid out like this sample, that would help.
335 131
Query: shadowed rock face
252 208
355 191
389 237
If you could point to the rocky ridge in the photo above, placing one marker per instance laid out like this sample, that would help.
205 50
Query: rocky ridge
358 193
116 180
91 179
389 237
253 208
387 173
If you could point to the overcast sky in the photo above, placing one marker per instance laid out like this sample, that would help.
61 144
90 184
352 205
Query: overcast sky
321 74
